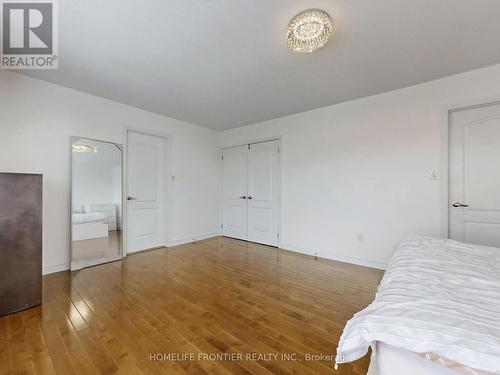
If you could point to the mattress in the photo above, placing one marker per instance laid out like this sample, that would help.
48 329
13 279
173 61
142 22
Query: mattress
88 218
438 296
389 360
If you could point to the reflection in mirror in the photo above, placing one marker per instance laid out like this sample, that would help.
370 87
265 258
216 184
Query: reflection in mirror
96 202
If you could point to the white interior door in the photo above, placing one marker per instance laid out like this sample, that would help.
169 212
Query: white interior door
262 197
250 179
474 183
146 190
234 192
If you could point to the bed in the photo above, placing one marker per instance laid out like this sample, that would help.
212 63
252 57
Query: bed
390 360
437 311
87 226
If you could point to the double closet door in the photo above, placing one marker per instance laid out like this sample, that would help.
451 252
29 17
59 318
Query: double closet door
250 180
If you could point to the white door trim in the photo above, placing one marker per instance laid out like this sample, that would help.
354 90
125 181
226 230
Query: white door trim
280 185
445 150
168 163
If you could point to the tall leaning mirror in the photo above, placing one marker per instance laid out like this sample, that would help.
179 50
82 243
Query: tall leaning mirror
96 202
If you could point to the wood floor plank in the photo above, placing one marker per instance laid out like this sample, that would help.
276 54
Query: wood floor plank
5 366
64 344
138 342
36 345
18 352
216 297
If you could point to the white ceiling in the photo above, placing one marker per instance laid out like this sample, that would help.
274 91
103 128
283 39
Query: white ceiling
224 63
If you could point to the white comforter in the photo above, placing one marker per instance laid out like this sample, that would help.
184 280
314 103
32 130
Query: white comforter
438 296
88 218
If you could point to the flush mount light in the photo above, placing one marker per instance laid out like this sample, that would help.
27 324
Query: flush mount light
309 30
86 149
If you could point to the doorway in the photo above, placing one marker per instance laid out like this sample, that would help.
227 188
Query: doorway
250 192
474 179
148 191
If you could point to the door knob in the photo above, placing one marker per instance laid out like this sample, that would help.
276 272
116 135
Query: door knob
130 198
243 197
249 197
457 204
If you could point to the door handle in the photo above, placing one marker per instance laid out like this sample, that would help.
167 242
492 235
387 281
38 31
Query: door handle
457 204
131 198
249 197
243 197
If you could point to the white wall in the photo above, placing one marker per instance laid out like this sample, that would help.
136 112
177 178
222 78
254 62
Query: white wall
357 168
92 184
97 177
355 176
36 121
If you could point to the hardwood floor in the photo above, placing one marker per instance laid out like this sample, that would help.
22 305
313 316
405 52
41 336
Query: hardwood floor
94 251
217 296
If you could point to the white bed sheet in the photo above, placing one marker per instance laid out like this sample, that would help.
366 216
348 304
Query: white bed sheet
389 360
88 217
90 230
437 296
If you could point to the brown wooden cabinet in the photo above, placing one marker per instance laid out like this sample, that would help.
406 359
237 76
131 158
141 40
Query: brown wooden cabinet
20 241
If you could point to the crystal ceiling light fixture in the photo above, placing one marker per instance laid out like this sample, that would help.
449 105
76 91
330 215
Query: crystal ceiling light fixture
85 149
309 30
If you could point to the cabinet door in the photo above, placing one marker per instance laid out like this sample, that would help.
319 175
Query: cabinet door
20 241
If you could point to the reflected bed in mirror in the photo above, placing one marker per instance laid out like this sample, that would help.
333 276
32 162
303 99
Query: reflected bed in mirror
96 202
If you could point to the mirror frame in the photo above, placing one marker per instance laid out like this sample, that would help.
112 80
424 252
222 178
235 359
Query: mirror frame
120 147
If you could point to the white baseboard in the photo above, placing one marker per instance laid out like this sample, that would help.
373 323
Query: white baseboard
336 256
199 237
299 249
55 268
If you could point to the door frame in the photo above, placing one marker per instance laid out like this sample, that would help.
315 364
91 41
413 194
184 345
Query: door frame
446 112
280 185
168 194
72 138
